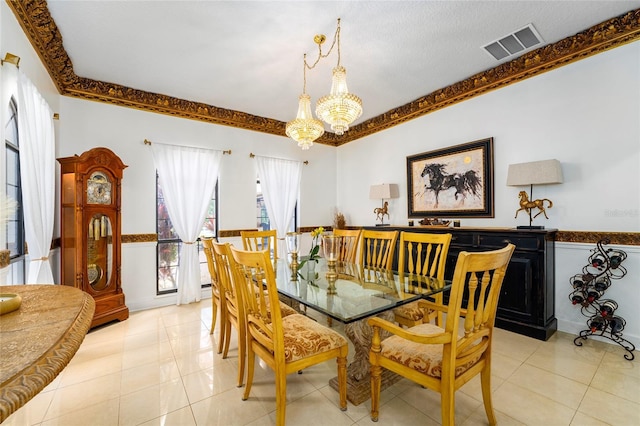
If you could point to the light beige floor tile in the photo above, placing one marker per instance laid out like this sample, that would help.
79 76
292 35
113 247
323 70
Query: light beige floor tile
473 388
503 366
134 341
228 408
399 412
609 408
479 418
202 359
186 328
101 414
181 417
150 374
32 412
91 351
297 387
581 419
514 345
314 410
206 383
618 382
192 342
529 407
562 357
553 386
160 351
614 360
152 402
90 369
87 393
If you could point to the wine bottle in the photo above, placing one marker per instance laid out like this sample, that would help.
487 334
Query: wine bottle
578 297
602 283
608 307
596 323
617 324
593 295
577 282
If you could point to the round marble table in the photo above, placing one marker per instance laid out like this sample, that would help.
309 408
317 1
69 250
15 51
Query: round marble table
39 339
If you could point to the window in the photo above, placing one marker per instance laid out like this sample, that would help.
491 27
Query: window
15 224
263 223
168 251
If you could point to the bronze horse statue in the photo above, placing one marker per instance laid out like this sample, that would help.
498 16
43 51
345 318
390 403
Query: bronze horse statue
381 211
527 205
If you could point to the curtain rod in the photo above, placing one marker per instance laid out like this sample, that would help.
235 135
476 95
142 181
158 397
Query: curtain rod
305 162
148 142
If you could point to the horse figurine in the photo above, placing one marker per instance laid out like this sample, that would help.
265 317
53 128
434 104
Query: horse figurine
438 180
381 211
527 205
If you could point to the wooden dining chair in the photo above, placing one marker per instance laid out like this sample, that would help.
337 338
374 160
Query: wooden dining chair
234 305
349 246
420 255
377 248
444 359
217 292
286 344
261 240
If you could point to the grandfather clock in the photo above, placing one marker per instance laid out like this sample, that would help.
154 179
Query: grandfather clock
90 229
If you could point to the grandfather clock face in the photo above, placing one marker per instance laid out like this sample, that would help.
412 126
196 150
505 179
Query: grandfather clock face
99 189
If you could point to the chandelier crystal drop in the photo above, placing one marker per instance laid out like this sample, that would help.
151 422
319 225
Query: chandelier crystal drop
340 108
304 129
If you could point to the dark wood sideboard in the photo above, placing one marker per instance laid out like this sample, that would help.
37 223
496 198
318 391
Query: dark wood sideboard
527 299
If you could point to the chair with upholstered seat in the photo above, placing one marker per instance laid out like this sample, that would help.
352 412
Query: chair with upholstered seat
349 246
217 292
261 240
377 248
286 344
420 255
234 305
444 359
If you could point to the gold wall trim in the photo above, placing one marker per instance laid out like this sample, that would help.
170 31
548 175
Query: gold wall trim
38 25
228 233
592 237
138 238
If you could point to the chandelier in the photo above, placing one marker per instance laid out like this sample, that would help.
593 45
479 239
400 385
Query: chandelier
339 108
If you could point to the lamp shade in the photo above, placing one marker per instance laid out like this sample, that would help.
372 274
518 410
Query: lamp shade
384 191
534 173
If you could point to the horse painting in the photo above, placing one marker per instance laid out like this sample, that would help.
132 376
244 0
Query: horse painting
437 180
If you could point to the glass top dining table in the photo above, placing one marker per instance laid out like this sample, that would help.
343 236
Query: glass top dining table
359 292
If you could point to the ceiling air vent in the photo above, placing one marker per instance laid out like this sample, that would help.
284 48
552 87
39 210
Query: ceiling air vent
514 44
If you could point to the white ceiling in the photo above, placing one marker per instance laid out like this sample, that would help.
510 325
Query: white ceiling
247 55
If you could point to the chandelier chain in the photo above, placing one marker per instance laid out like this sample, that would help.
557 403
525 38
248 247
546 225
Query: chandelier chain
336 37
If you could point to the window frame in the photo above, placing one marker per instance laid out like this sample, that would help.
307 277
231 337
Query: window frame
178 242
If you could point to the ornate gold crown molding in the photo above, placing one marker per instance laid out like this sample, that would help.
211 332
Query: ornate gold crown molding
37 23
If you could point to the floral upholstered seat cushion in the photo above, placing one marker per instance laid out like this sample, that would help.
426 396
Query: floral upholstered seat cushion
286 310
304 337
424 358
411 311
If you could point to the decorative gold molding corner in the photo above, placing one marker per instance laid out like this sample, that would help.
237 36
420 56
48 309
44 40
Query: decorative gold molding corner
38 25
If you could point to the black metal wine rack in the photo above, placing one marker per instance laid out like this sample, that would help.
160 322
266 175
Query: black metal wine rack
589 287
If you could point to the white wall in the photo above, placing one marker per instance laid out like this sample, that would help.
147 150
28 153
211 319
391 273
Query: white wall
586 114
85 125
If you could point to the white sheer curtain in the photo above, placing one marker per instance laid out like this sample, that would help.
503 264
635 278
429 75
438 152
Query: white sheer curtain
37 173
187 177
280 183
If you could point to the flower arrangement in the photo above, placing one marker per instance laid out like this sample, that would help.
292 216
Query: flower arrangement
314 255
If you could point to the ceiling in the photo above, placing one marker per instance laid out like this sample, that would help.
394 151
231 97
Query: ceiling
247 56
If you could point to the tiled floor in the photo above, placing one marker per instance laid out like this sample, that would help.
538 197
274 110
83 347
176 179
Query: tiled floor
160 367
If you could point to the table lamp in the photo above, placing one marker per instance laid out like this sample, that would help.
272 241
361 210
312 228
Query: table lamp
383 192
534 173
